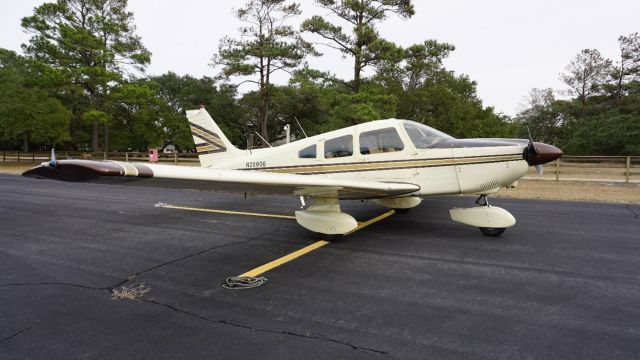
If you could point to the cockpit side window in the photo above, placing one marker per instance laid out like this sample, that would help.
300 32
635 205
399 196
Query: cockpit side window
308 153
422 136
380 141
339 147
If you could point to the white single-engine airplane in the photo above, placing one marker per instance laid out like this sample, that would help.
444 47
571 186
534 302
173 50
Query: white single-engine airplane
394 162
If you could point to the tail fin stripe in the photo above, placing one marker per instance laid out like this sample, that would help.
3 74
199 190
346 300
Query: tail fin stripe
206 148
205 152
210 138
209 146
206 131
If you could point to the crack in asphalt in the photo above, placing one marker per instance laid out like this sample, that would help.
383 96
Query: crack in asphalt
56 283
197 316
111 288
172 261
15 334
264 330
635 213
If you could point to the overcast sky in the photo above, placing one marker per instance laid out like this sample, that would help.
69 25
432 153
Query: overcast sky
508 47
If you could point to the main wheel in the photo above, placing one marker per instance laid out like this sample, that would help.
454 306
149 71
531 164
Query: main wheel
402 211
330 238
495 232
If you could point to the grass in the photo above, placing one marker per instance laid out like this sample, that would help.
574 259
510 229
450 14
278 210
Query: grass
15 169
574 191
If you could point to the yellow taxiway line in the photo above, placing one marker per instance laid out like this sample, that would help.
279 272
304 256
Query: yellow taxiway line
372 221
229 212
285 259
305 250
292 256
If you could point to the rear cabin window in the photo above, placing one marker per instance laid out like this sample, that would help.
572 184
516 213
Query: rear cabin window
308 152
380 141
339 147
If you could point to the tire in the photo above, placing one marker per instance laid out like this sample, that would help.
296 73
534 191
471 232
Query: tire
494 232
402 211
330 238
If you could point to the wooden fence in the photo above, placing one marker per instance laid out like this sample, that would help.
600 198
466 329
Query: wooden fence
38 157
581 168
591 168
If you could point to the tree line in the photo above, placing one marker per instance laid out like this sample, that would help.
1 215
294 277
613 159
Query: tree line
79 83
600 111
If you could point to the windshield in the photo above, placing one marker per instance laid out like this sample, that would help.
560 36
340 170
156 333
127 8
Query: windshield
422 136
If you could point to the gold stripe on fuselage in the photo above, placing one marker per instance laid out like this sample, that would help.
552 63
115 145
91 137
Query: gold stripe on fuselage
390 165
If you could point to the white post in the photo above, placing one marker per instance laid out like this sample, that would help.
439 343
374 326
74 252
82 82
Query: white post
287 131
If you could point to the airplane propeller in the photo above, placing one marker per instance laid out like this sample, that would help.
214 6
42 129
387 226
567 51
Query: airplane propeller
538 153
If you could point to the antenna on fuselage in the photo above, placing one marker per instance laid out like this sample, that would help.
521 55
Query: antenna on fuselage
301 128
263 139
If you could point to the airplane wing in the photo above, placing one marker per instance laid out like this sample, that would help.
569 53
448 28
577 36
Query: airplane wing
199 178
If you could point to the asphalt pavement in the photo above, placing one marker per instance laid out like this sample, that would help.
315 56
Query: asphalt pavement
564 283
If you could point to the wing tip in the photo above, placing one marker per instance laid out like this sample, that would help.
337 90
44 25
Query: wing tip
76 170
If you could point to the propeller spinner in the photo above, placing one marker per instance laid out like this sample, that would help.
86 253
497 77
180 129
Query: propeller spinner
538 153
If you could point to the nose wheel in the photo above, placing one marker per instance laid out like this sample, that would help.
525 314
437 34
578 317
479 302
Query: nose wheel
491 220
488 231
493 232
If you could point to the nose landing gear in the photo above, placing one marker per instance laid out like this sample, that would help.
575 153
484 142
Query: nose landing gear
493 232
488 231
491 220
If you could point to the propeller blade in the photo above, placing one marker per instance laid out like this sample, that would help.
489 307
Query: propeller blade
539 169
532 146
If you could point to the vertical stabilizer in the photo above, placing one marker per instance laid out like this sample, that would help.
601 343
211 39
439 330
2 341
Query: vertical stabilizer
212 145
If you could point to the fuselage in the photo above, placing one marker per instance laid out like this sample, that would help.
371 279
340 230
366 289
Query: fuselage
396 151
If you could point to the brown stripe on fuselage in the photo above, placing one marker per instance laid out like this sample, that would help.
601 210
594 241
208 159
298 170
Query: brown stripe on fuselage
389 165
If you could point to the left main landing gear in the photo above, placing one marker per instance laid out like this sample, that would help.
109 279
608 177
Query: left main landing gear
401 210
401 205
491 220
